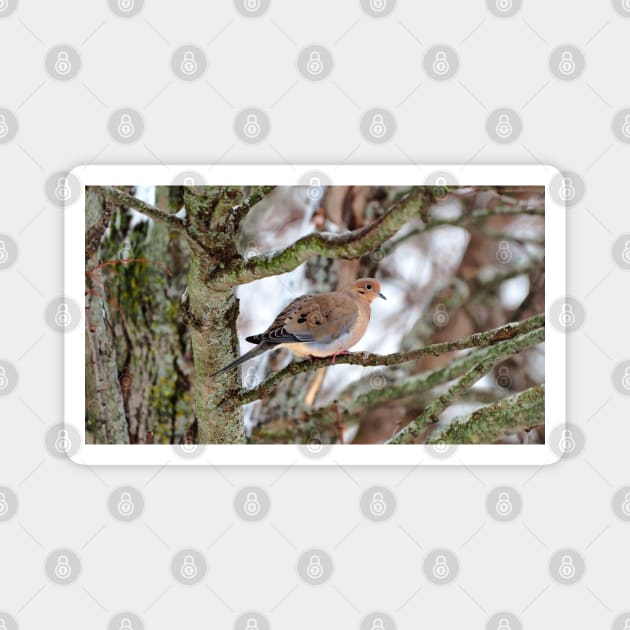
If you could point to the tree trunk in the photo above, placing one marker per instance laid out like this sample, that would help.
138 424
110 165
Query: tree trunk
105 421
212 313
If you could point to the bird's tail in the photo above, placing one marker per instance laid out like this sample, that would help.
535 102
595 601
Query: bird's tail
254 352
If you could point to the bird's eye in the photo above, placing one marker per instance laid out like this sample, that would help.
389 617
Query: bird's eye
368 287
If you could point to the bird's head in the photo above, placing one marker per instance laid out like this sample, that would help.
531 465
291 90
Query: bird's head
368 289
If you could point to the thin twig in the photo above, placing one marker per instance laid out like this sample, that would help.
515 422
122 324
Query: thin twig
125 261
241 210
125 199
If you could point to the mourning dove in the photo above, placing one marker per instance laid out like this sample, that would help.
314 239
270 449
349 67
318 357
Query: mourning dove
319 325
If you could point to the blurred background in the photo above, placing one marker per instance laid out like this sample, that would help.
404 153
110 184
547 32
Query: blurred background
464 266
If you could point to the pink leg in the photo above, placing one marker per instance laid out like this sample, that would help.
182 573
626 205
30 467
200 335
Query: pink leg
334 356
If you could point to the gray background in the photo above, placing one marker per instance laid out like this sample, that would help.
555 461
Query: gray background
378 63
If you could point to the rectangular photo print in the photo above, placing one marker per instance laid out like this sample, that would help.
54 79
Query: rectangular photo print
316 315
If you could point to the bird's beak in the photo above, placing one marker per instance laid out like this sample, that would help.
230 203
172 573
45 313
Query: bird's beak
382 296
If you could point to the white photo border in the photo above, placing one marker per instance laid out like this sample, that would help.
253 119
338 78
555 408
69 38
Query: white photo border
288 455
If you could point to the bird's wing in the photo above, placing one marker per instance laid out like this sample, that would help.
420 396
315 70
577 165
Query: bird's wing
312 318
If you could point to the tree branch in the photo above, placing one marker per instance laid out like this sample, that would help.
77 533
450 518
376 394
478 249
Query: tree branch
351 244
125 199
431 414
240 211
487 424
366 359
352 404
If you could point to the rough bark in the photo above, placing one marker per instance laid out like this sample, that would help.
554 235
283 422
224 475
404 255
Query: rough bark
490 423
105 420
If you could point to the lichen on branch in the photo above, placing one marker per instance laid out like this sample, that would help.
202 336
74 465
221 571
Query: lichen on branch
366 359
416 428
491 422
129 201
350 244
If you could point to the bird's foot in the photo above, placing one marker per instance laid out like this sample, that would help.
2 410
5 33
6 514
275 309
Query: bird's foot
334 356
